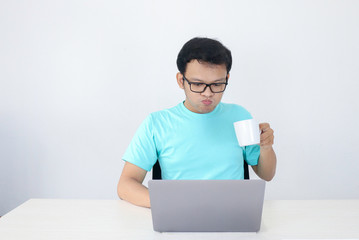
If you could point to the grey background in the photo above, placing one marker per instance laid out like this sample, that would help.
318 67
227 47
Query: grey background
78 77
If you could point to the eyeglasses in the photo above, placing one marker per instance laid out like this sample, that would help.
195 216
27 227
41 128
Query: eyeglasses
199 87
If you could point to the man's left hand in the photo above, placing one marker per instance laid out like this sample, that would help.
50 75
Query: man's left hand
267 137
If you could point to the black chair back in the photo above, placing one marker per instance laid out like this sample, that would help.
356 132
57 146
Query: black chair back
157 175
156 171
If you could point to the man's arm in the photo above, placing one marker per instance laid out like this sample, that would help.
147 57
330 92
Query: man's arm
130 186
267 159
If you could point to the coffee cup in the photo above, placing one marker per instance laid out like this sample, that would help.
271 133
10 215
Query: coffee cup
247 132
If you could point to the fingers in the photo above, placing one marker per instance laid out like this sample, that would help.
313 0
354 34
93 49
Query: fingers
267 141
264 126
267 135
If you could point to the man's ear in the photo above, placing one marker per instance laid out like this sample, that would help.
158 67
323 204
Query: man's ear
179 77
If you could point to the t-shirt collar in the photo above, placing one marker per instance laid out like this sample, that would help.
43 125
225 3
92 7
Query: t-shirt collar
189 112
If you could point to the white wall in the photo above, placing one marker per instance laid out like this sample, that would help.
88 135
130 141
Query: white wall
78 77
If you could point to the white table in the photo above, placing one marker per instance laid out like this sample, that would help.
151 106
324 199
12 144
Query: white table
115 219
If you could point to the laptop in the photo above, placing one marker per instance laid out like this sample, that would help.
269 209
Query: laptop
206 205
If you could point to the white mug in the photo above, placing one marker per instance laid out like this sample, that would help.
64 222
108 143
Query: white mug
247 132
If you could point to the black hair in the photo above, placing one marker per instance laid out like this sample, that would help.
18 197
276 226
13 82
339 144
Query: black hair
204 50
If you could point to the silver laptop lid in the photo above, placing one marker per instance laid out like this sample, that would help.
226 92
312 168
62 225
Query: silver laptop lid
206 205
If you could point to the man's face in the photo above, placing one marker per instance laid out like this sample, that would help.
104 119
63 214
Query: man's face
201 72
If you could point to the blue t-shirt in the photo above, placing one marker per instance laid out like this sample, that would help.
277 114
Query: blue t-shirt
190 145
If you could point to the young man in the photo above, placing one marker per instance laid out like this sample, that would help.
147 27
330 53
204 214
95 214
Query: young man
195 139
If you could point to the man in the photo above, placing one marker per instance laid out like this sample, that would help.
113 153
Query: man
195 139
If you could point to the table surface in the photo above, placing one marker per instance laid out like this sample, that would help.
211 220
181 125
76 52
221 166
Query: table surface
116 219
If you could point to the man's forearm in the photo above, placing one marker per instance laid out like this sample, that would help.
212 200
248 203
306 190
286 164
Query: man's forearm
266 164
134 192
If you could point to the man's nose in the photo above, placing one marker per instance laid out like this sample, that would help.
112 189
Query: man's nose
207 92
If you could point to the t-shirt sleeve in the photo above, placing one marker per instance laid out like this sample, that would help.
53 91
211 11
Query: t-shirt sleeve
251 154
142 149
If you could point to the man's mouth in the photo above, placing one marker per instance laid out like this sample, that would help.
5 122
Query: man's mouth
207 102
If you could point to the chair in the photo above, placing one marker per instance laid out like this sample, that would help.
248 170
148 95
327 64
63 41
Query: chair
157 174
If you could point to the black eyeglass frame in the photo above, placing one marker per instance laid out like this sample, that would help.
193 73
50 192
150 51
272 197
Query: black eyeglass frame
207 85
